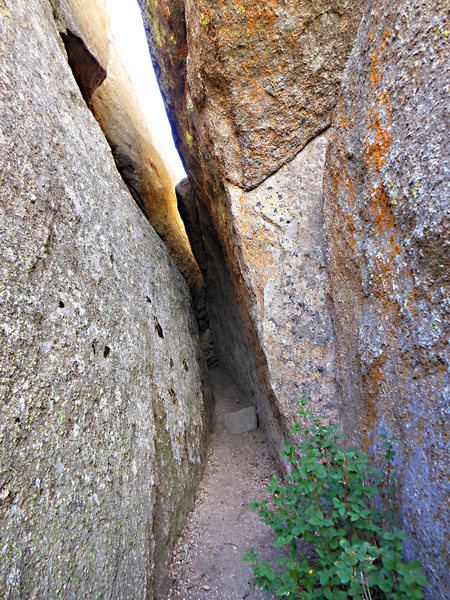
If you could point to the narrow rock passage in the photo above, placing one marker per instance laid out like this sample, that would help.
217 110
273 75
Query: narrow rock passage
207 562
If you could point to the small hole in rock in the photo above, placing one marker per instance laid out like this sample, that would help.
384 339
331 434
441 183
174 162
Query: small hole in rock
106 351
186 368
17 419
171 363
158 327
61 304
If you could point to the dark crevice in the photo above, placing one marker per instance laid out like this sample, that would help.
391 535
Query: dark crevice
88 72
158 327
236 345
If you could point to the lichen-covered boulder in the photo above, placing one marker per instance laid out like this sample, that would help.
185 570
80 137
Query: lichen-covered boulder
387 191
102 397
260 78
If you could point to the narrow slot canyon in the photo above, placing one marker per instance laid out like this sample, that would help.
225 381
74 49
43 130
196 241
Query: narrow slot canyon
161 321
207 560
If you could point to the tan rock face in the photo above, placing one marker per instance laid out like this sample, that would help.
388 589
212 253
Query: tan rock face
279 227
387 190
247 85
102 416
120 116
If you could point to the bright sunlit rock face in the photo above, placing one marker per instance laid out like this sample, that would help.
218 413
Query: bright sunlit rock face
130 42
109 72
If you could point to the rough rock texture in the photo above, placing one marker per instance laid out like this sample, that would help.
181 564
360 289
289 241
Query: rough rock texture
102 400
241 421
247 85
387 200
135 149
279 227
260 78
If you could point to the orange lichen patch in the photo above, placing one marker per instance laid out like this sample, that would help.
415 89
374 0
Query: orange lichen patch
344 123
376 154
374 68
381 210
253 12
166 11
259 15
420 428
254 98
248 64
395 247
341 180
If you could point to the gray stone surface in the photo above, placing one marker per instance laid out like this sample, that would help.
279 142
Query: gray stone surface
92 46
241 421
279 226
101 395
387 205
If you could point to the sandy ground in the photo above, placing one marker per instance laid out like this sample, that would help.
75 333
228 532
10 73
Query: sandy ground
207 561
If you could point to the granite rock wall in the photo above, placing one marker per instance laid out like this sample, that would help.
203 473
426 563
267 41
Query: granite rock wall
86 30
103 396
247 85
387 189
336 292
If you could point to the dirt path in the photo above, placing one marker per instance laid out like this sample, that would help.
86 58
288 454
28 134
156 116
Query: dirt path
207 561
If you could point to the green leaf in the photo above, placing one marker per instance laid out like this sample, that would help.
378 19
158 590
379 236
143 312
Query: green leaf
324 577
329 498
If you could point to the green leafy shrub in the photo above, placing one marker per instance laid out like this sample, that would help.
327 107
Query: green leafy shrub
339 505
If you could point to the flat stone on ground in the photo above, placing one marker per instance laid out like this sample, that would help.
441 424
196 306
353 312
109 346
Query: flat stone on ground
241 421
